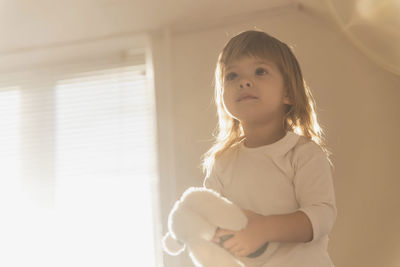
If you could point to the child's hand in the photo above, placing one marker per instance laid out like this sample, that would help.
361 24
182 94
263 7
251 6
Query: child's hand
246 241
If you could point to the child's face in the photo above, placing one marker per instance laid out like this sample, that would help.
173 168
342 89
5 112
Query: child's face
254 90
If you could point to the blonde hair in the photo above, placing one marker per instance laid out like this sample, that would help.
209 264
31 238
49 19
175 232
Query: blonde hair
300 117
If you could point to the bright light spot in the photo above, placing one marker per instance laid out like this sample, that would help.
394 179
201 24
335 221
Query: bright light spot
105 165
378 10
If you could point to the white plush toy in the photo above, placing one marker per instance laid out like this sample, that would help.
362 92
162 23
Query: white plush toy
193 221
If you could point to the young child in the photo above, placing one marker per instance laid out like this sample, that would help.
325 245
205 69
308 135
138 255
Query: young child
269 157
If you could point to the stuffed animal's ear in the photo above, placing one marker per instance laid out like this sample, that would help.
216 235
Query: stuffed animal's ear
217 210
171 245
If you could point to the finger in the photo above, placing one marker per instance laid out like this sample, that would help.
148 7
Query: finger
222 232
230 243
235 249
241 253
249 213
221 235
216 239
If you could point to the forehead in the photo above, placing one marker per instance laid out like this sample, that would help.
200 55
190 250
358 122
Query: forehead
248 61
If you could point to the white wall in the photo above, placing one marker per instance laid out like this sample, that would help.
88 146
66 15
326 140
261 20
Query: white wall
356 102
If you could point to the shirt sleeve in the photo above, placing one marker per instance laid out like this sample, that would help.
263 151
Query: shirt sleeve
213 181
314 188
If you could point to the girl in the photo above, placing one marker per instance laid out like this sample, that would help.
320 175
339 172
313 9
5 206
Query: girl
269 156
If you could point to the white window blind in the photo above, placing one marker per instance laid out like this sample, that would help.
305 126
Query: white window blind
78 164
9 143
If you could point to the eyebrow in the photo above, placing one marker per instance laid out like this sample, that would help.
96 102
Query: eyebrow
255 63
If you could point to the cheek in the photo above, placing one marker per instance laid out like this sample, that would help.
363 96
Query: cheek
229 101
228 95
226 99
274 93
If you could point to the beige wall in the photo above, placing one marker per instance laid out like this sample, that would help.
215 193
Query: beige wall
357 105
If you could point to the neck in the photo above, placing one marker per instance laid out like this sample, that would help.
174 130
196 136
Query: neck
262 134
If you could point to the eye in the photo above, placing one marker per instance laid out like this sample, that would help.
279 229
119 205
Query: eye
230 76
261 71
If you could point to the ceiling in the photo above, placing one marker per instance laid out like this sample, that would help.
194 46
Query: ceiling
27 25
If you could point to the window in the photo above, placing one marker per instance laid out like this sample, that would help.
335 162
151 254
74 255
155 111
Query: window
78 150
9 144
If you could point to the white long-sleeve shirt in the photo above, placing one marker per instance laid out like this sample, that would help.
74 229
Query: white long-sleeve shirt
289 175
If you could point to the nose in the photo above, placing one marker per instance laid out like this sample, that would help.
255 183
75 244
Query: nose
245 83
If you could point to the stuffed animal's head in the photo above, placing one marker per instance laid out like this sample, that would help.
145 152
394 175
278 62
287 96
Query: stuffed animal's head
193 221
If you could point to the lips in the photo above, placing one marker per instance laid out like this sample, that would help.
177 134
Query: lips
246 96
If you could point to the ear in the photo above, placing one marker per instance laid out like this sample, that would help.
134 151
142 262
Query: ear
171 245
286 99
